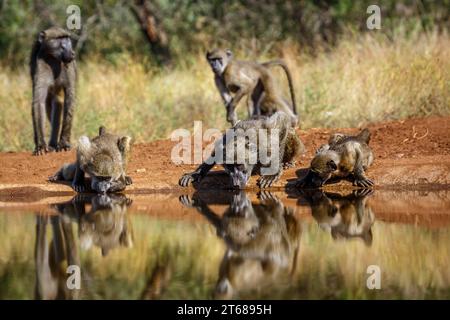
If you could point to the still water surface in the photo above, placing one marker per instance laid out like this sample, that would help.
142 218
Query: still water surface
221 245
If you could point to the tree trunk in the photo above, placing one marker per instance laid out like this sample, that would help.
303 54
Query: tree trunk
152 29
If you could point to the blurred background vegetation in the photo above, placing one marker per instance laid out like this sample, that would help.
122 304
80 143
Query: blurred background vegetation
142 68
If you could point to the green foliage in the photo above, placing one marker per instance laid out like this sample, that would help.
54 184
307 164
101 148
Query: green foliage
251 26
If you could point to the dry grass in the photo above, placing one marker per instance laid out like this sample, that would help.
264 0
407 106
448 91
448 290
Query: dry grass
366 78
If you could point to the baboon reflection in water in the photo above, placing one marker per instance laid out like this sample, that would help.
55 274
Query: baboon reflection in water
105 225
344 216
262 242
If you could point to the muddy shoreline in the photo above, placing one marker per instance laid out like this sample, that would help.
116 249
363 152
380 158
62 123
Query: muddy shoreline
412 154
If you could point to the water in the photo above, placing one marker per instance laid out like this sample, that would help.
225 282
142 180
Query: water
310 245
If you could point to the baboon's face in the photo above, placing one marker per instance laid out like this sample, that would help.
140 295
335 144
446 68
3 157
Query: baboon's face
322 168
239 174
103 172
105 225
58 47
101 184
218 60
240 221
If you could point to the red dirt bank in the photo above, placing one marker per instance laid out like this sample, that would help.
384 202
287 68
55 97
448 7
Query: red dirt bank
413 153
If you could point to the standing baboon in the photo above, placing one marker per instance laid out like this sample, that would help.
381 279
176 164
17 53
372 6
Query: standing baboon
251 79
53 73
52 258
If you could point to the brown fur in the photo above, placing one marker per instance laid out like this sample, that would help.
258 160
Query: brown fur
343 156
262 241
53 74
289 147
104 159
251 79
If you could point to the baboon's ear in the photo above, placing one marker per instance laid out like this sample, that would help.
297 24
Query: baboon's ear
84 144
101 130
364 135
124 143
332 165
41 36
229 53
208 53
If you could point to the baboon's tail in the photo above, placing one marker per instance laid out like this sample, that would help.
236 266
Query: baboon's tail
282 64
364 135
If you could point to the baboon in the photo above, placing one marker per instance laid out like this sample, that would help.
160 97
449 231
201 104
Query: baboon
252 79
256 152
105 225
262 241
104 159
52 258
344 216
343 156
53 74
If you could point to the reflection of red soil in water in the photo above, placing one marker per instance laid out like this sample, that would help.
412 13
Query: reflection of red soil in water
431 209
409 153
428 209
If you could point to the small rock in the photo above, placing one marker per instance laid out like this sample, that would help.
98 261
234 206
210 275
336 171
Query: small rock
141 170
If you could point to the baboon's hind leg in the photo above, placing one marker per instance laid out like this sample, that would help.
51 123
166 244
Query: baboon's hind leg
55 119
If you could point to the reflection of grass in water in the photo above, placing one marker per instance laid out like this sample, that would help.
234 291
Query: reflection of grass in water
414 262
190 250
16 256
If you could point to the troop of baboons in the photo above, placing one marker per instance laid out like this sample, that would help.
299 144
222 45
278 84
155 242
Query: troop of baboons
262 240
104 158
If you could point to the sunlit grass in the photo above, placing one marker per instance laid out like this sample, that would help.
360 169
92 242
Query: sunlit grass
413 260
365 78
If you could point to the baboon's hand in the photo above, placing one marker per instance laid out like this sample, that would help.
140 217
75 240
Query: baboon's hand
63 146
301 183
363 182
78 187
363 192
267 196
128 180
54 178
81 198
290 164
40 150
188 178
267 181
186 201
305 181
